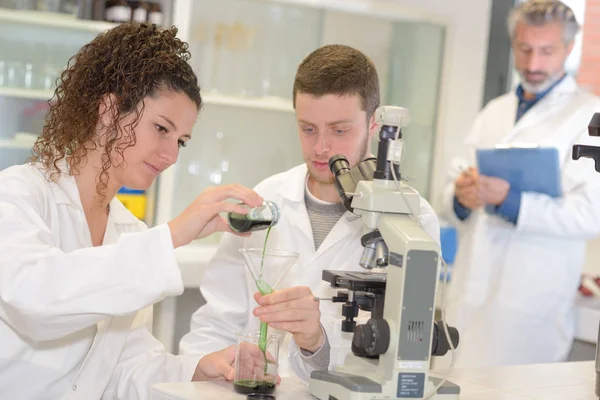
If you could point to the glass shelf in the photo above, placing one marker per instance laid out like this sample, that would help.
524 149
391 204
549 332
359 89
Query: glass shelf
268 104
52 20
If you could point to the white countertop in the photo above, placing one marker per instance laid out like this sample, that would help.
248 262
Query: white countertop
193 260
561 381
290 389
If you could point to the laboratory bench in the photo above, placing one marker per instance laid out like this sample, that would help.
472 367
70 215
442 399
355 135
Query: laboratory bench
193 261
559 381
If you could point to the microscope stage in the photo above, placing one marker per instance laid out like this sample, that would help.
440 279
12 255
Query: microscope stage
355 280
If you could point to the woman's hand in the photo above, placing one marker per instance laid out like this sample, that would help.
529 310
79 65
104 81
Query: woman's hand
216 365
251 365
201 218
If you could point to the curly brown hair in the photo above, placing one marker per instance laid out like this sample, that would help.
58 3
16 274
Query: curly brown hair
129 63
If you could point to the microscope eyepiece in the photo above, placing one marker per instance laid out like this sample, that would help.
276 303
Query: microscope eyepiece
338 163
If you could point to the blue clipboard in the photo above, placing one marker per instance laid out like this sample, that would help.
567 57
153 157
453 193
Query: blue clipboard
526 169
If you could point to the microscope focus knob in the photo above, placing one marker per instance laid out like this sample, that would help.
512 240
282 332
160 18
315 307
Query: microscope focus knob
348 326
350 311
373 337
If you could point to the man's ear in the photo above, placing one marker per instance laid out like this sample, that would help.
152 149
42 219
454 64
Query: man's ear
372 126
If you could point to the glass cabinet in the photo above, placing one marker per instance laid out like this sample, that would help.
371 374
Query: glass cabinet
245 53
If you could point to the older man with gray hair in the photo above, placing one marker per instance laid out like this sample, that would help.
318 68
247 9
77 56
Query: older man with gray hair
521 252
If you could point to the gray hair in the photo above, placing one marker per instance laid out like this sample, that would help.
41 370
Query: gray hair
541 12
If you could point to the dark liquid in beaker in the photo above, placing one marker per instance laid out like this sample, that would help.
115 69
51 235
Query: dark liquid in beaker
240 223
250 386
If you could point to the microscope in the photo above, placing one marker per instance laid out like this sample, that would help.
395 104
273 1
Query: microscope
593 152
391 353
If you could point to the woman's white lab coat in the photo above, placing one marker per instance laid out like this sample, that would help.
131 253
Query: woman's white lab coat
70 319
228 288
513 290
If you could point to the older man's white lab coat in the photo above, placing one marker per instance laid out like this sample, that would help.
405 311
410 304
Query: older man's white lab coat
513 289
69 321
228 288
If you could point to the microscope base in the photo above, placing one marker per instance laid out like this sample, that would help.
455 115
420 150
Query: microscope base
328 385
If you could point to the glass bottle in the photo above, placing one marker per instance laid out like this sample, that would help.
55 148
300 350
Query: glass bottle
48 5
258 218
70 7
140 10
117 11
155 13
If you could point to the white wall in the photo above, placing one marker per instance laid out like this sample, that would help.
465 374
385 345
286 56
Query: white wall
462 77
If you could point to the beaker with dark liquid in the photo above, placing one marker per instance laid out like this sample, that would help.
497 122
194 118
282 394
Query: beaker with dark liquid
255 371
258 218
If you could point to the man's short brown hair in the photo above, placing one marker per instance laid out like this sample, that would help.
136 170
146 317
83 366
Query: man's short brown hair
340 70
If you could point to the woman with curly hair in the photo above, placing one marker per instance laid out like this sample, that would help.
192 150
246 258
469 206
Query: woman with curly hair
78 271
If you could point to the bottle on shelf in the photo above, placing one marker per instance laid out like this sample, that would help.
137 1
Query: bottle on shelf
70 7
140 10
91 9
155 13
117 11
18 4
48 5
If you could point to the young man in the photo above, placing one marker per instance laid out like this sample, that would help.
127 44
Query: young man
521 253
336 92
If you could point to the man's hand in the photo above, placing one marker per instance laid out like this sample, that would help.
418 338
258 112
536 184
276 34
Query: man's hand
216 365
466 189
293 310
493 190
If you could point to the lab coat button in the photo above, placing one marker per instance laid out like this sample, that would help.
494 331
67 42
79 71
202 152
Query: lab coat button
74 387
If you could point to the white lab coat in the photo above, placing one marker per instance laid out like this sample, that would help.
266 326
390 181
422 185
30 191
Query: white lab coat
70 319
513 287
228 288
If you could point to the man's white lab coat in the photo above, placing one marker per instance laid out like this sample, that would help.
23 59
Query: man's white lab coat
513 290
228 288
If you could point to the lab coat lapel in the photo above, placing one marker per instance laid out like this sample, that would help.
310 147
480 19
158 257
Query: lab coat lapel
292 191
66 193
508 124
298 215
119 221
542 111
346 226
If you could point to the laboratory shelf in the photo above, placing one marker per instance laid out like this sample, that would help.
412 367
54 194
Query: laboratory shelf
21 93
52 20
268 104
381 9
